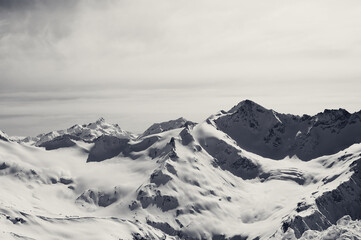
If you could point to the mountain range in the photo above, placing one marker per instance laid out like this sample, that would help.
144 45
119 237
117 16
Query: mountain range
245 173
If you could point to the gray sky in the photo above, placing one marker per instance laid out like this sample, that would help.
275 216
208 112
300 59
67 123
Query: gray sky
138 62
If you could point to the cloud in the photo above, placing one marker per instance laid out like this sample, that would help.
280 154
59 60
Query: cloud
116 42
201 56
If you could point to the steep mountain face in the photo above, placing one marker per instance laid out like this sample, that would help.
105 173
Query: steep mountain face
325 208
4 136
229 177
270 134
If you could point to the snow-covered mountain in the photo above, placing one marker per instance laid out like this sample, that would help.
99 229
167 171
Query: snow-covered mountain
275 135
166 126
86 132
246 173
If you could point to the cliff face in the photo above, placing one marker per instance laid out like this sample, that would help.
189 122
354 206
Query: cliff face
345 199
333 202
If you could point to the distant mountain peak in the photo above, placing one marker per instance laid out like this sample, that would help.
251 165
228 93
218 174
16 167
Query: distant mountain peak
166 126
336 112
332 116
86 132
181 119
100 120
4 136
248 102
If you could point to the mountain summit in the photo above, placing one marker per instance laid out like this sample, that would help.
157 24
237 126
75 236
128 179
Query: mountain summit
246 105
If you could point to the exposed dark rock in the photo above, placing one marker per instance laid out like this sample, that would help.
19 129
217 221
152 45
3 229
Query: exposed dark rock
179 223
197 148
144 144
153 152
66 181
171 169
173 155
179 212
172 142
63 141
134 205
106 147
159 178
164 227
223 237
53 180
106 199
4 166
302 206
102 199
315 221
164 202
345 199
192 182
166 126
228 158
15 220
344 157
137 236
332 205
4 137
186 137
330 178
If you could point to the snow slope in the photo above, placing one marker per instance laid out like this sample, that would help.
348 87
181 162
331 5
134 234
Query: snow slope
201 181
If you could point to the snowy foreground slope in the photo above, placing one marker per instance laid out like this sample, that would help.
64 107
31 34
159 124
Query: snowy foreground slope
246 173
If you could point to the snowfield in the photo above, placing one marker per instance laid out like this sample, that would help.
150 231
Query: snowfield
246 173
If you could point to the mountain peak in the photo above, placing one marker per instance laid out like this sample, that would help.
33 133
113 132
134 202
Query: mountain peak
333 115
166 126
100 120
340 111
86 132
4 136
248 105
248 102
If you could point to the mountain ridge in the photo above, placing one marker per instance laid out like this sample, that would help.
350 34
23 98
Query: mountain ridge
285 134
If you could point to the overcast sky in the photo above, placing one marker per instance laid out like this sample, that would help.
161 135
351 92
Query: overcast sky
138 62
